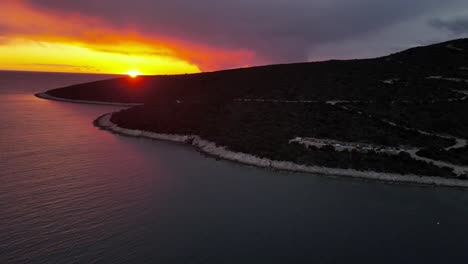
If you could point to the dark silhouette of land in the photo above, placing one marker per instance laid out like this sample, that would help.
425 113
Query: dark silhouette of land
405 113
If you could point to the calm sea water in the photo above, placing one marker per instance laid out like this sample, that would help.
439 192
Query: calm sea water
71 193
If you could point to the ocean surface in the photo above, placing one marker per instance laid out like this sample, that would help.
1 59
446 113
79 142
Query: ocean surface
71 193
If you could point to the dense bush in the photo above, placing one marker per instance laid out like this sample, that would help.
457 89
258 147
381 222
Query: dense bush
456 156
265 129
439 117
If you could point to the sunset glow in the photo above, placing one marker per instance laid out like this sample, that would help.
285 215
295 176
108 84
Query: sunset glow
21 54
133 73
37 39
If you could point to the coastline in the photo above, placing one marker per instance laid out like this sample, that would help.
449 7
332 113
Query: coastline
211 149
47 96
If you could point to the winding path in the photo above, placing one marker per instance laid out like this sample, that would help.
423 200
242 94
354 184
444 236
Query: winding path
459 142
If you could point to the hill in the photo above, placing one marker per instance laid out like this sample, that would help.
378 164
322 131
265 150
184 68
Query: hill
404 113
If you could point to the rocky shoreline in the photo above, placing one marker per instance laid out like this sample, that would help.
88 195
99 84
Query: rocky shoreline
210 148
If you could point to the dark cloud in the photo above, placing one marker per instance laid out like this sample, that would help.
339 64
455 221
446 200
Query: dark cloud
457 25
276 30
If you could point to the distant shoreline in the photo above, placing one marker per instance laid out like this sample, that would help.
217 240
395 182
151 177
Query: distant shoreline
61 72
50 97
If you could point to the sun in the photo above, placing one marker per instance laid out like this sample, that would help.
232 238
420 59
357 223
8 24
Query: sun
133 73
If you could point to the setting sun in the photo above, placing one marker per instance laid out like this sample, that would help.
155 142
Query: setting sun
133 73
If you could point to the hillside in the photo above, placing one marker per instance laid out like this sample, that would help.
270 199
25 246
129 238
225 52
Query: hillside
404 113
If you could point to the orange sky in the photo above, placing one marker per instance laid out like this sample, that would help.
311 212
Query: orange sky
37 39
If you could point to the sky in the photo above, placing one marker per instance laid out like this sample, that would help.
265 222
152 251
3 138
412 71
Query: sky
185 36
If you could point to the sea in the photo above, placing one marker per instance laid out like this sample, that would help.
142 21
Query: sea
72 193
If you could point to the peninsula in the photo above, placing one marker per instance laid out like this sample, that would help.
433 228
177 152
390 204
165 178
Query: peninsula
401 117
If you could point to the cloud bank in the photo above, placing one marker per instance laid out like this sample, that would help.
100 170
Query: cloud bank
215 34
